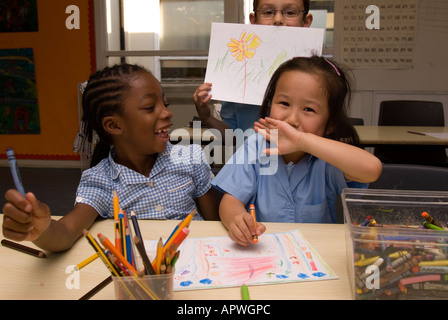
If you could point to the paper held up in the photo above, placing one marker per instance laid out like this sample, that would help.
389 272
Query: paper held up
242 58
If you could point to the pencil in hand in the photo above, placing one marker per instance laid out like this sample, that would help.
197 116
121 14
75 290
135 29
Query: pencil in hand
252 213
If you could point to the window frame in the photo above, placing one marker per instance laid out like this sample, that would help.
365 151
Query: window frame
234 12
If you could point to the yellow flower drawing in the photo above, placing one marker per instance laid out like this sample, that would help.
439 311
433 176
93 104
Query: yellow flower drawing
245 47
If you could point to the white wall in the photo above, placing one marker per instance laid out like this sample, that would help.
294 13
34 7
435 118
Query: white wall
427 80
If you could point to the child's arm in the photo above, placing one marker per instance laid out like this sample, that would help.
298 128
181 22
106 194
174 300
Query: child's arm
238 221
201 99
208 206
29 219
356 163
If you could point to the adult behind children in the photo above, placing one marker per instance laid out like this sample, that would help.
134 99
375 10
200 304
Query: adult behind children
125 106
293 13
305 102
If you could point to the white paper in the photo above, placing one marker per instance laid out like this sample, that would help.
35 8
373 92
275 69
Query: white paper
438 135
267 47
217 262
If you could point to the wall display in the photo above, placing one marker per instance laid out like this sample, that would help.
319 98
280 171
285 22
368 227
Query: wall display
19 112
18 16
382 36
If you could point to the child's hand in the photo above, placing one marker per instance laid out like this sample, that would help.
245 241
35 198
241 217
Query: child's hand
24 218
285 136
242 228
201 99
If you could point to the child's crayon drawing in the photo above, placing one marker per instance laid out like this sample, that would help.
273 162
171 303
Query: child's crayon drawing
219 262
242 58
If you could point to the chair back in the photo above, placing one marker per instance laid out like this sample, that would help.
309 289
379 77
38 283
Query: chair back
412 177
411 113
357 121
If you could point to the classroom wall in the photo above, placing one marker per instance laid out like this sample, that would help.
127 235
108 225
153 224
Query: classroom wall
62 58
65 57
427 79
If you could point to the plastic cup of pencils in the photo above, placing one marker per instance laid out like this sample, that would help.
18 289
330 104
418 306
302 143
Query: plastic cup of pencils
149 287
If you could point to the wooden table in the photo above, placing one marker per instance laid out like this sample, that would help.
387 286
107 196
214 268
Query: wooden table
26 277
399 135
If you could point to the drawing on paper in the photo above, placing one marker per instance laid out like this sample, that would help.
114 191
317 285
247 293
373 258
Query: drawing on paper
244 49
241 68
219 262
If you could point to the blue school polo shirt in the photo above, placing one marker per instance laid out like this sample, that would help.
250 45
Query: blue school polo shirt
305 194
180 175
239 115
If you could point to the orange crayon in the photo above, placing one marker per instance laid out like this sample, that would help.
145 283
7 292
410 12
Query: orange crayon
252 213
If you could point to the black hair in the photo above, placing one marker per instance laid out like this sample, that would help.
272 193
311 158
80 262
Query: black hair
336 84
103 96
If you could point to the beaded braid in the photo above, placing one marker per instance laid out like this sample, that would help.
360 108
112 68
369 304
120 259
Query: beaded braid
102 97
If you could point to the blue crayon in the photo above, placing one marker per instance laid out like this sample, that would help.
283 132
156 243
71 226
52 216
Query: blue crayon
15 171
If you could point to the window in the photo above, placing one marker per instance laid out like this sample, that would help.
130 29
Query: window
171 38
323 17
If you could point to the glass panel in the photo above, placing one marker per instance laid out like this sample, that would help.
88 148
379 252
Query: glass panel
323 17
186 24
140 25
177 70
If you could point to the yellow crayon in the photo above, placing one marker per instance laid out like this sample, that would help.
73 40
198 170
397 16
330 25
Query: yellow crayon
434 263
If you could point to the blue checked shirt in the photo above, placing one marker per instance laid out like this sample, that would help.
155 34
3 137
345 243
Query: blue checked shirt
180 175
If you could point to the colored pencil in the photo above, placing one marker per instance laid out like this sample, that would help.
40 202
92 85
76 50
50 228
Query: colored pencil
129 249
159 256
117 236
141 249
24 249
122 234
136 227
101 254
175 258
178 241
87 261
116 205
97 288
109 246
172 233
116 221
245 292
184 223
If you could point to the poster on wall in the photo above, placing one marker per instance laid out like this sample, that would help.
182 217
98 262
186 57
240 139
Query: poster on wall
18 16
388 45
19 112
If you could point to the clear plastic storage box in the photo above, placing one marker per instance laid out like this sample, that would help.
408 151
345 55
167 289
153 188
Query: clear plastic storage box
391 254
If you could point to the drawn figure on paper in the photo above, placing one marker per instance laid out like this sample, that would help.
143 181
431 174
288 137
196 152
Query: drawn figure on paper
244 49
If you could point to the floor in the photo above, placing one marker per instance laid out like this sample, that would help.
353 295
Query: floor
54 186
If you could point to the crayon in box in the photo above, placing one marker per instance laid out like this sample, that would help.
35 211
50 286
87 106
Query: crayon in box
391 255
